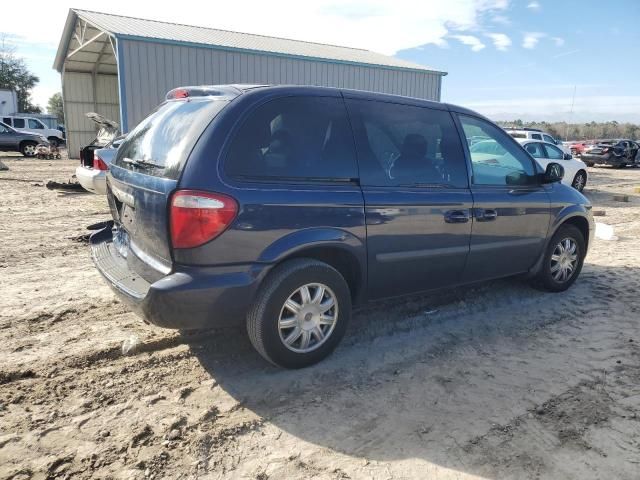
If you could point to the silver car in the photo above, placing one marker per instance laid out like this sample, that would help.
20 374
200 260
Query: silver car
12 140
93 178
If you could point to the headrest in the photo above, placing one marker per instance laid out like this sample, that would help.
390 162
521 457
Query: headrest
414 145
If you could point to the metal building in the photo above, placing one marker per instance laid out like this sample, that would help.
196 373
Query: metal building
122 67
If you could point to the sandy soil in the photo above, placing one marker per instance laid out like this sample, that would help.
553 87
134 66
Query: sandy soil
494 381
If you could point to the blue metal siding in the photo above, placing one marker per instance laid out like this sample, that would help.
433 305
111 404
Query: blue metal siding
149 69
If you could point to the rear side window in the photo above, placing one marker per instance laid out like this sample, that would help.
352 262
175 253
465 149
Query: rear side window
18 123
403 145
536 136
161 143
294 138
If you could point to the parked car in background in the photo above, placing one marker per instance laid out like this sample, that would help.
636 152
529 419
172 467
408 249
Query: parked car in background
35 126
617 153
107 131
578 148
93 178
283 206
12 140
536 134
575 171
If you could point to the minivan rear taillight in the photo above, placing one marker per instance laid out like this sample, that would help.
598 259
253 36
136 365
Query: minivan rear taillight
98 163
198 217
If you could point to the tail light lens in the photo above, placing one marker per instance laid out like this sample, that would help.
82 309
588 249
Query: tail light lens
98 163
198 217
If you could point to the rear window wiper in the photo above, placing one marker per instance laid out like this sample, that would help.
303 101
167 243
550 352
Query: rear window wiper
142 163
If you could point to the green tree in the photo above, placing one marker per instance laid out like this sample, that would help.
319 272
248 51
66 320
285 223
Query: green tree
14 75
54 106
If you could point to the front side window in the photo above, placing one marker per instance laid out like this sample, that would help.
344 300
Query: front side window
297 139
554 153
535 150
508 165
549 138
18 123
403 145
34 124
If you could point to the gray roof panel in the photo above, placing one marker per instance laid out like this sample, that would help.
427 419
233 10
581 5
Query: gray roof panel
152 29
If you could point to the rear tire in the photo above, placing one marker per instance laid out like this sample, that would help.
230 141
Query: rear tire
283 309
28 149
559 260
580 180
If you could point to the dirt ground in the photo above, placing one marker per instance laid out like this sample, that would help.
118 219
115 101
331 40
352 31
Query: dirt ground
493 381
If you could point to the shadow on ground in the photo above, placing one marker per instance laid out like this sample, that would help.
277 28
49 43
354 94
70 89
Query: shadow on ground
457 378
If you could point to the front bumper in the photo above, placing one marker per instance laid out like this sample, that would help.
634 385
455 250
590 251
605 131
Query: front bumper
188 297
92 180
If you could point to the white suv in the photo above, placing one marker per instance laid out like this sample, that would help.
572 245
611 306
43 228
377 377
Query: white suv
535 134
35 125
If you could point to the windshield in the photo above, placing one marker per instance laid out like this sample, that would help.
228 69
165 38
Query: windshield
163 140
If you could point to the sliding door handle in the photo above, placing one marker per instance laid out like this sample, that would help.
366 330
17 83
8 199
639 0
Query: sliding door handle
485 214
456 216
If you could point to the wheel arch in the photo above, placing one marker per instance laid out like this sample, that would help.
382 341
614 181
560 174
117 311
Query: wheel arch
338 248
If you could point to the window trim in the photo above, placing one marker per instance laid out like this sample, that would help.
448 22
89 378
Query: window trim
243 181
465 147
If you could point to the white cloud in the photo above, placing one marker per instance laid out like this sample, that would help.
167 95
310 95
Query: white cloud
378 25
531 39
501 19
474 42
533 5
559 41
500 40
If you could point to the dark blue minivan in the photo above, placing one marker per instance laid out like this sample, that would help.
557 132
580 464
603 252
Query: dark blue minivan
284 206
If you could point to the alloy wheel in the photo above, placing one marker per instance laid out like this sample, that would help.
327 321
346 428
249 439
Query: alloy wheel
308 317
564 260
30 150
579 182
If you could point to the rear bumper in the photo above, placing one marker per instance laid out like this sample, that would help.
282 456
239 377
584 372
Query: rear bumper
187 298
92 180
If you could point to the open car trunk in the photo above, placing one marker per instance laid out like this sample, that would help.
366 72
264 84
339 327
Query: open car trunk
107 131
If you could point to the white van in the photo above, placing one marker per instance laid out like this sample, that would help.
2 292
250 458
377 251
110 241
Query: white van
535 134
34 125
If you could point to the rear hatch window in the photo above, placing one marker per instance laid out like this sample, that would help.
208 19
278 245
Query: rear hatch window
161 143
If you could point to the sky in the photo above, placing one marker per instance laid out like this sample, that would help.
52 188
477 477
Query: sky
507 59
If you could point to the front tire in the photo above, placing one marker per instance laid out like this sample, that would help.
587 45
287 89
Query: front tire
28 149
53 141
580 180
562 260
300 313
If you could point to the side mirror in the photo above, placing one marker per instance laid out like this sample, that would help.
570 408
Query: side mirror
567 156
553 173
